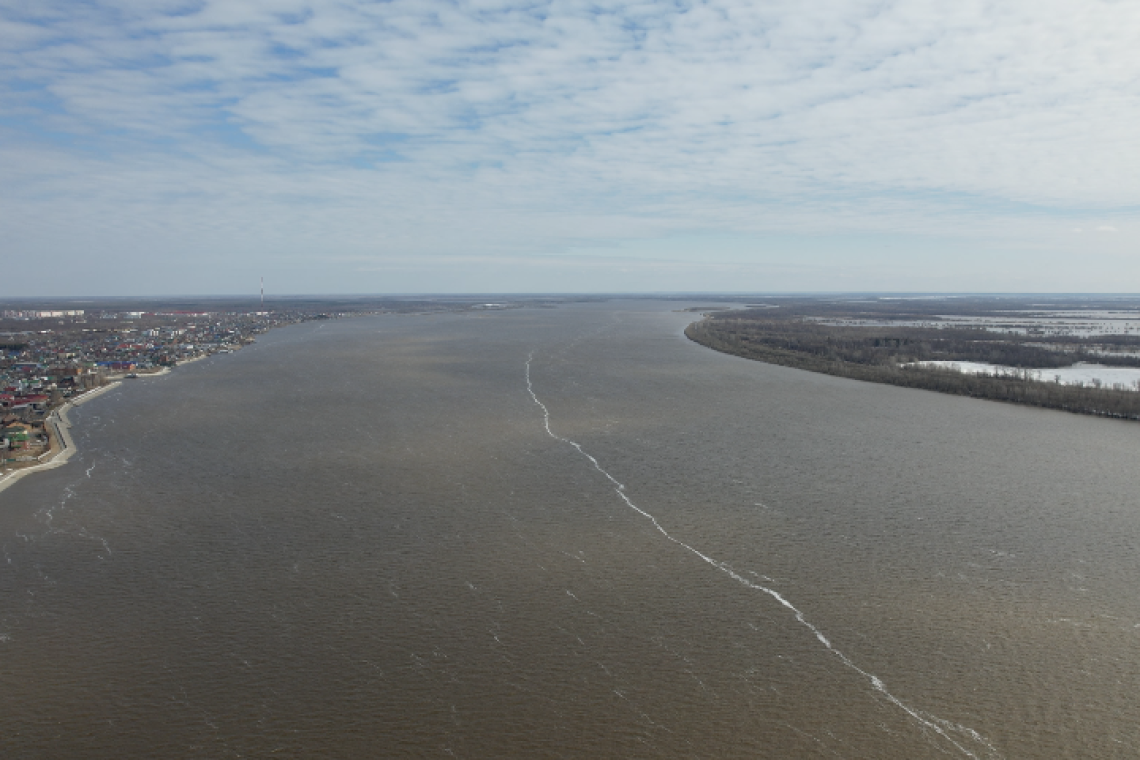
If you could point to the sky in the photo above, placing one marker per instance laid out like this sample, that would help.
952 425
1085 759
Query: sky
152 147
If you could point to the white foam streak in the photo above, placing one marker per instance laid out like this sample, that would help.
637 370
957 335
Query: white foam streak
928 722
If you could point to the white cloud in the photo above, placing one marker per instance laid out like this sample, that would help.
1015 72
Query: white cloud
478 128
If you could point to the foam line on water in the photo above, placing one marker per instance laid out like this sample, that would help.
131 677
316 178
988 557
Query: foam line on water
942 728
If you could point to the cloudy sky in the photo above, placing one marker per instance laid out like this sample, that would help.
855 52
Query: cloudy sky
350 146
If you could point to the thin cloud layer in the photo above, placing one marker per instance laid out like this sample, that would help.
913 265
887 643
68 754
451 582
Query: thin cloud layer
354 136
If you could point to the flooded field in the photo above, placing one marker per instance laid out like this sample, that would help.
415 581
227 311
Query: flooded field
1078 324
1094 375
566 533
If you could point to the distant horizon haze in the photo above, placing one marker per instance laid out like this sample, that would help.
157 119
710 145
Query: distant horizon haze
723 295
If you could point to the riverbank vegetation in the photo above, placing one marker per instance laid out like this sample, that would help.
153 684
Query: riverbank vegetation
883 343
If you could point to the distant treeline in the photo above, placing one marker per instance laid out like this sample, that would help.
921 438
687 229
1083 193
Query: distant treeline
880 355
901 344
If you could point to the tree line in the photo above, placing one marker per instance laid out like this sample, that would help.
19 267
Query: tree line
883 355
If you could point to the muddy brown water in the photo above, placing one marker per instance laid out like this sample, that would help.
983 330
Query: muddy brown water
359 539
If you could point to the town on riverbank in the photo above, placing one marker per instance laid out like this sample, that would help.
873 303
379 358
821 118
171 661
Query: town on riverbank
52 356
54 353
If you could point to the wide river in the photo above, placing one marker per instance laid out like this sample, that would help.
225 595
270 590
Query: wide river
566 533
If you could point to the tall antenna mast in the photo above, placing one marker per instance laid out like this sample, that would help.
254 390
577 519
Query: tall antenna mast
263 294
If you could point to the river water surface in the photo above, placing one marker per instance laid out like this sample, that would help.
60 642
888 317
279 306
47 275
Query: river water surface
566 533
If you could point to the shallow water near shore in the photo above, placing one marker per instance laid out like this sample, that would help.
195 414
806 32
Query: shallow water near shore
566 533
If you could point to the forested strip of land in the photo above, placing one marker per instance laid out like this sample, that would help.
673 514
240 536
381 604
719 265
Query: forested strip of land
882 355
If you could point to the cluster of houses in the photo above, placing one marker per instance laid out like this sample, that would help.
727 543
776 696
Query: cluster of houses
41 369
23 433
23 441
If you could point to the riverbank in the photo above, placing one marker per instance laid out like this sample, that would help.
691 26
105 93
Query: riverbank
759 341
62 446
